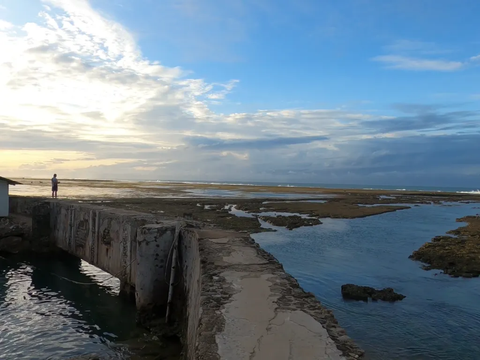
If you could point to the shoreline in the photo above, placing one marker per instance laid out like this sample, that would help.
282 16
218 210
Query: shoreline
172 187
213 212
282 186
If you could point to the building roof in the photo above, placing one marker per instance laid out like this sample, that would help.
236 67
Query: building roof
8 181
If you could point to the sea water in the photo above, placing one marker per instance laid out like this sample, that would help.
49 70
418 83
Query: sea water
58 307
440 316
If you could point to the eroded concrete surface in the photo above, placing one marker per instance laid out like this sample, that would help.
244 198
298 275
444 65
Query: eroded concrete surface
253 310
262 331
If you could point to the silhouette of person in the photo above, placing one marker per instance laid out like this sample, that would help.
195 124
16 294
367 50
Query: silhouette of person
55 183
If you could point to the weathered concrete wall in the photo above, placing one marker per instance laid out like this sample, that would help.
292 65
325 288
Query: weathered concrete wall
23 205
103 237
190 290
131 246
41 225
3 199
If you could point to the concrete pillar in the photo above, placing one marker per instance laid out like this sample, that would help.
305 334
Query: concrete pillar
41 238
127 291
151 287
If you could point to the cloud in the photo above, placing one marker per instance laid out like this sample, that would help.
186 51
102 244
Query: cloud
420 56
244 144
416 108
427 121
89 73
417 64
405 46
227 88
475 58
414 154
5 25
78 97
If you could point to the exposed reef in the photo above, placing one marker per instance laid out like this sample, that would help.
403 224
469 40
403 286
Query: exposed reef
290 222
457 255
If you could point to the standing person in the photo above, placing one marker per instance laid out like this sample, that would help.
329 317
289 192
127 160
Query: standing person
54 186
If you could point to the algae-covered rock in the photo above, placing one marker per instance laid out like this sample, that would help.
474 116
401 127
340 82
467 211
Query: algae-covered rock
458 255
363 293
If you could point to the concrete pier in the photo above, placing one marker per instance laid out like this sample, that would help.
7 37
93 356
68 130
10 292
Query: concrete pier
232 299
243 306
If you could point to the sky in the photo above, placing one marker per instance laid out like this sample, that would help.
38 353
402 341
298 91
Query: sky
288 91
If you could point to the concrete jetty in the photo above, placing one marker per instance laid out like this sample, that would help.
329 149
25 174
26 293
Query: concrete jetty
256 310
233 300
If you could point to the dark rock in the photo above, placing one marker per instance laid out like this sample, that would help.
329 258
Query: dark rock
387 294
363 293
14 236
9 228
13 244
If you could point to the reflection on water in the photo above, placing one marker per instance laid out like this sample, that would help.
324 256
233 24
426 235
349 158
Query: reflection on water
440 317
91 192
77 192
43 316
240 213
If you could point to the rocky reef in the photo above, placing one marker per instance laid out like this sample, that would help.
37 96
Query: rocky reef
457 255
290 222
363 293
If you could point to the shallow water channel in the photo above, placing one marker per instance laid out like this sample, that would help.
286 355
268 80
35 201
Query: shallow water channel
44 316
440 317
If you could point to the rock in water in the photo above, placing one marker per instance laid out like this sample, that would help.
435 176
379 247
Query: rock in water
387 294
12 236
13 244
10 228
363 293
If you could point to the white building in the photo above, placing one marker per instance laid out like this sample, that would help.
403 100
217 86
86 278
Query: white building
4 199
